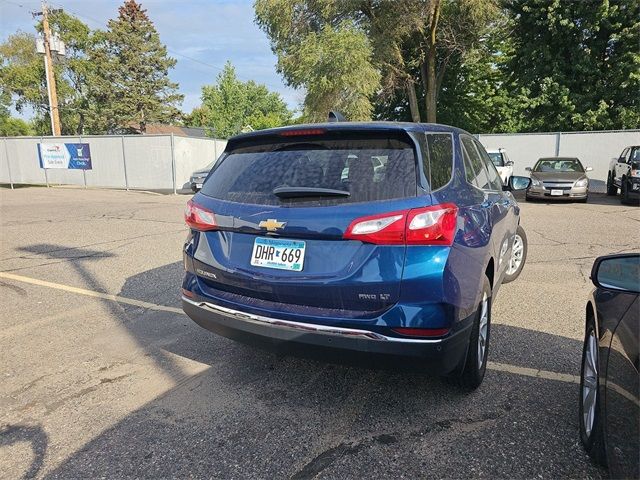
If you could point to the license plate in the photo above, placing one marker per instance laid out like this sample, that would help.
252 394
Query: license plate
198 185
278 253
556 193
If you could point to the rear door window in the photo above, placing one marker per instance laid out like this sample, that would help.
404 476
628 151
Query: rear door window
495 182
368 169
475 172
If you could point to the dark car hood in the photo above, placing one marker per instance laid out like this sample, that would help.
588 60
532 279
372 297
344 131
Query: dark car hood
558 176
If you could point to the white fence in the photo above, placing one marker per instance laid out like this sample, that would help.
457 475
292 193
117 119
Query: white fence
148 162
594 149
165 162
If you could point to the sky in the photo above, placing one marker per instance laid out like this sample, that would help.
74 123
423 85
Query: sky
200 34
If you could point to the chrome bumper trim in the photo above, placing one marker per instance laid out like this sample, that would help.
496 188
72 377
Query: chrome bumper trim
306 327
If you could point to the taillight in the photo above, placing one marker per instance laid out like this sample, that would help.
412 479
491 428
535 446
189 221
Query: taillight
435 225
199 218
421 332
385 229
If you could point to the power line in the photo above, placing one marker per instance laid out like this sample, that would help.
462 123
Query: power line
102 24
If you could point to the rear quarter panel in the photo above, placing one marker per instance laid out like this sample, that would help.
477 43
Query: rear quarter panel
473 248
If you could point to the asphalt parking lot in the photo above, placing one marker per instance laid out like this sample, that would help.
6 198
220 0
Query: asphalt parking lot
103 376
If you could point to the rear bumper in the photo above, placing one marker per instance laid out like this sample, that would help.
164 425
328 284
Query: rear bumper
333 344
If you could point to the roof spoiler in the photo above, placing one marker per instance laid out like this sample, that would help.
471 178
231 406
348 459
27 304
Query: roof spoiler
336 117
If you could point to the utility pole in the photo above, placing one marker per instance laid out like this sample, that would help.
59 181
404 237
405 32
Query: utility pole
49 72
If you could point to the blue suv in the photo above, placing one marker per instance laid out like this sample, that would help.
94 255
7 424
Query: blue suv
383 241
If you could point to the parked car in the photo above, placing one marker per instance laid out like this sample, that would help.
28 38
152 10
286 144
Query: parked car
561 178
284 252
609 407
198 177
502 162
624 174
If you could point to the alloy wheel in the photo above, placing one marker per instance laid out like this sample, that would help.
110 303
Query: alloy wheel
589 382
483 330
517 252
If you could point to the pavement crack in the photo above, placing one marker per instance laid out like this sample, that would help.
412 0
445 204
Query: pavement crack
325 459
19 290
53 406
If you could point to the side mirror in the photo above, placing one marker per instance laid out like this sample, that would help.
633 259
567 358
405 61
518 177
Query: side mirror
588 169
510 163
617 272
528 169
517 183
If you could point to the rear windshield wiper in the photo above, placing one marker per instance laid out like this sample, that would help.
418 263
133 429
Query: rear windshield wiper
297 192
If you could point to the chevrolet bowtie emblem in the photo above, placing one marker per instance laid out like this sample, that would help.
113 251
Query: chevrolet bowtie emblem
271 224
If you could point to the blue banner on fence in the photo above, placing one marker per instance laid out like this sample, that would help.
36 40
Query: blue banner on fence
65 155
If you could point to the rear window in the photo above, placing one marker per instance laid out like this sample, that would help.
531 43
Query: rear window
368 169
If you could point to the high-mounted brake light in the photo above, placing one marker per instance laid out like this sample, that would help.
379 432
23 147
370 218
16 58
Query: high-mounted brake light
435 225
199 218
302 132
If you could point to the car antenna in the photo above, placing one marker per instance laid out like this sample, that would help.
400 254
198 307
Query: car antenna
336 117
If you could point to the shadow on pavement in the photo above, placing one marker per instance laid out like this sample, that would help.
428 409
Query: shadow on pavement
155 286
35 436
252 414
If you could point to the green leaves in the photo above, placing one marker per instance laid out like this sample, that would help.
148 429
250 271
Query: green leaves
334 66
109 81
579 61
130 81
512 65
231 106
322 49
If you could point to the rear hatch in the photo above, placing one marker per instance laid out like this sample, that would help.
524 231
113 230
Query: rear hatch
282 205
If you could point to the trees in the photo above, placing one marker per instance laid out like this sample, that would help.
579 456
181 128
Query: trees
334 66
577 63
11 127
485 65
322 50
411 42
230 105
22 74
130 81
114 80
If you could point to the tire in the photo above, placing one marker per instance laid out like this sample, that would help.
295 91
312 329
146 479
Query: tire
520 239
611 187
475 367
591 429
624 192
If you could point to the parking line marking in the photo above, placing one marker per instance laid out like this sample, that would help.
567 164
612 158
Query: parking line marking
533 372
91 293
499 367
